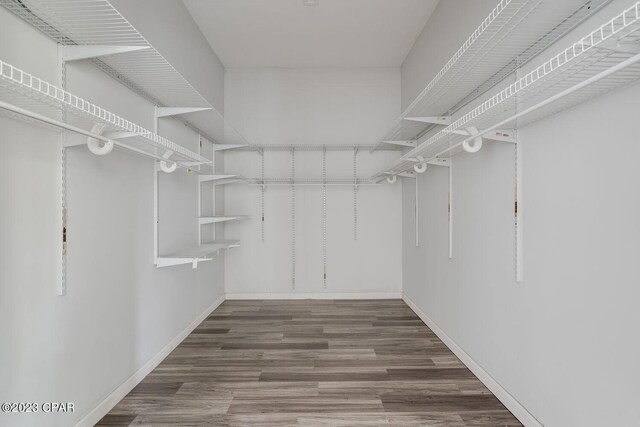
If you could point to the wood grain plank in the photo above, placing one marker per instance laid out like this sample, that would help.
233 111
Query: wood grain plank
311 363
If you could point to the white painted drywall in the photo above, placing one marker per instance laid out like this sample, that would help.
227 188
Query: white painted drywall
290 34
120 311
313 106
563 342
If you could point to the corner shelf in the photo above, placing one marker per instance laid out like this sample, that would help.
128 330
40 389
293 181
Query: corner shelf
215 177
515 32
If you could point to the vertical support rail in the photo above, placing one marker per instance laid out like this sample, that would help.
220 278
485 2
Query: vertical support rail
262 190
62 277
156 252
451 208
517 212
293 218
355 193
416 213
324 215
518 192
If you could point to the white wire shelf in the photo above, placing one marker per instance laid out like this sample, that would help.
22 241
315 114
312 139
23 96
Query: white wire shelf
203 220
146 71
513 34
605 59
196 254
23 89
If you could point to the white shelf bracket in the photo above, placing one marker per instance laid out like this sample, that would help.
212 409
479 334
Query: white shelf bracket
434 162
79 52
355 192
503 135
411 144
293 219
435 120
440 162
176 111
416 213
518 214
119 135
407 175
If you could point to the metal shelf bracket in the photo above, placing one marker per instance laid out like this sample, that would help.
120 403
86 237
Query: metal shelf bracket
79 52
434 120
176 111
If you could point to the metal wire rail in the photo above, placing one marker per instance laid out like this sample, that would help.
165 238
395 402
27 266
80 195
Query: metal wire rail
513 34
311 181
84 114
605 59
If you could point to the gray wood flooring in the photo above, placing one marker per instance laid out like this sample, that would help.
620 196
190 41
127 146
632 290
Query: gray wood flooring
311 363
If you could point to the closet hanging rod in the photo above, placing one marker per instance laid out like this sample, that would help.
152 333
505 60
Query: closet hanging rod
62 125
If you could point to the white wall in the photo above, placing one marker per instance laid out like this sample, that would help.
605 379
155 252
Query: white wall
563 342
313 106
450 25
119 310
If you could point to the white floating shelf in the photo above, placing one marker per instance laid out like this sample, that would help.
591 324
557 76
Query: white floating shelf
22 89
223 218
603 60
196 254
514 33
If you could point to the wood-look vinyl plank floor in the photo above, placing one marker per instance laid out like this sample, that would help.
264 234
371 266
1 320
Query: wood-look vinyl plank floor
311 363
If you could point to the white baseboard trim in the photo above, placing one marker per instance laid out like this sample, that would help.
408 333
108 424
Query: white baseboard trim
119 393
353 295
503 395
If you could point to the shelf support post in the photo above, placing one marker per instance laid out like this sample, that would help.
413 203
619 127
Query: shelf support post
434 120
156 169
517 212
61 281
176 111
517 215
450 208
293 217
